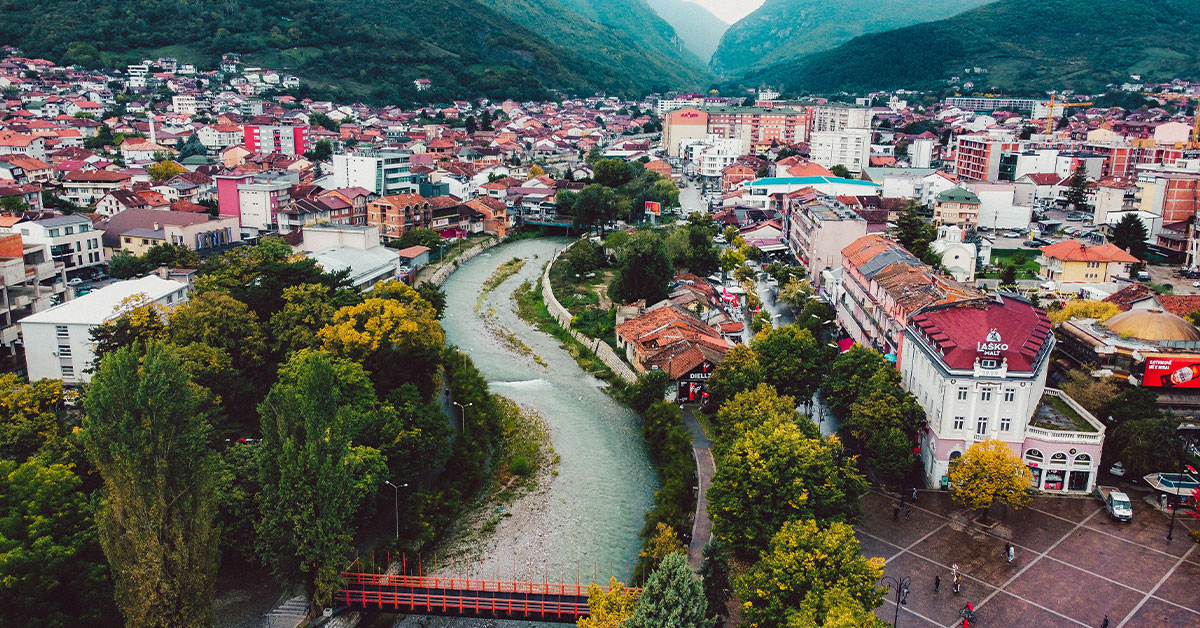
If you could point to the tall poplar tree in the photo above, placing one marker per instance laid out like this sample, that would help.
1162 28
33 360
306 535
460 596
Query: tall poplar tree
147 434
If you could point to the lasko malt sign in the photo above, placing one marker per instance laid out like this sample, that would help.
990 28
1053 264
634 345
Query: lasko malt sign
992 345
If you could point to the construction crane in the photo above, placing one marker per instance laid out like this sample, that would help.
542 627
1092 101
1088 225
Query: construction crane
1064 105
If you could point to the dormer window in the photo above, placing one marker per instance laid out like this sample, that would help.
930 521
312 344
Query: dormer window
989 364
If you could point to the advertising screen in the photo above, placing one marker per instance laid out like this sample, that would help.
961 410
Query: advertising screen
1176 371
653 207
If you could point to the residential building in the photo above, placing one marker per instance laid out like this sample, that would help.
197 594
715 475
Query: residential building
137 230
254 198
12 143
288 139
1071 261
140 150
23 268
118 201
957 206
395 214
24 169
71 240
992 104
355 248
818 230
384 173
849 147
215 137
882 286
670 339
58 343
978 368
986 156
85 187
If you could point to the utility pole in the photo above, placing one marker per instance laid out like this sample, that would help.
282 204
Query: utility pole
397 493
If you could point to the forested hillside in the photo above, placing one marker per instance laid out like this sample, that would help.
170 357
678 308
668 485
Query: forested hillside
700 30
1022 44
780 30
348 49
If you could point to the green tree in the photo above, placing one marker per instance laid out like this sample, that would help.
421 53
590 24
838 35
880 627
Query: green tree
774 473
1077 187
146 434
808 566
609 609
849 375
912 231
643 271
672 598
1144 446
319 119
714 574
419 236
321 151
125 265
793 361
307 309
1130 235
192 147
1131 403
754 407
593 207
738 372
434 296
583 257
842 171
990 472
664 543
306 476
1008 276
883 424
731 259
647 390
237 495
14 205
52 570
380 333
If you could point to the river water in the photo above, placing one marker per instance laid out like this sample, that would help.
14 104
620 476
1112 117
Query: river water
584 520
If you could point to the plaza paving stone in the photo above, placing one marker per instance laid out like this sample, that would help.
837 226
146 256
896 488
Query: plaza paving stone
1073 564
1159 614
1060 588
1128 563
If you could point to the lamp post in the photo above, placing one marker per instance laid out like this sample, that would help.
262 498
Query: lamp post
1186 433
397 493
901 593
464 413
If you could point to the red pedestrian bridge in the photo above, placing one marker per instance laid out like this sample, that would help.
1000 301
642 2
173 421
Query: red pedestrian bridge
463 596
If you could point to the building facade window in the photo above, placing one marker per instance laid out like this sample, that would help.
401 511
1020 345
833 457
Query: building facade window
962 393
981 426
1010 395
1005 424
985 394
959 422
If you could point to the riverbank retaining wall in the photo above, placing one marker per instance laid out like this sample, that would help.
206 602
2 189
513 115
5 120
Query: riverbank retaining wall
563 316
437 273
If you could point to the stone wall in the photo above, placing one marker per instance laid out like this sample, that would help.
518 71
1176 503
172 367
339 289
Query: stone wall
437 273
602 350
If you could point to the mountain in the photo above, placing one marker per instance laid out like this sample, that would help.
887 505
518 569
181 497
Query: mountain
369 50
625 35
1028 45
700 30
780 30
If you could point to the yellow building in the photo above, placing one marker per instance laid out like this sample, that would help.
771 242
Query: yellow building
956 206
1071 261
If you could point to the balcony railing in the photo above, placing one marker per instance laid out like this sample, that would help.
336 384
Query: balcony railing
1094 435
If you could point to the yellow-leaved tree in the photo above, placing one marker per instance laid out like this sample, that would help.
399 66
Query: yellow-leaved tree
1084 308
609 609
397 341
990 472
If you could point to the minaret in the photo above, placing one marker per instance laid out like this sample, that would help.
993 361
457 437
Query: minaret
153 136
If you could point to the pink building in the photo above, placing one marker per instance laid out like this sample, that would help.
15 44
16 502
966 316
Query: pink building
287 139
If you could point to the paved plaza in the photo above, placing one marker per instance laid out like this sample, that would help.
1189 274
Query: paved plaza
1073 564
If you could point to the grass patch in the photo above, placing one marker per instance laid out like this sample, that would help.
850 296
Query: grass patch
1055 414
1024 259
525 450
502 272
532 309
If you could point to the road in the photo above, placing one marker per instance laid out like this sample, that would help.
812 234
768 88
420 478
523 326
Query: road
705 468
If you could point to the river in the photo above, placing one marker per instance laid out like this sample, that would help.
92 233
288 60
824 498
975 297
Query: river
584 520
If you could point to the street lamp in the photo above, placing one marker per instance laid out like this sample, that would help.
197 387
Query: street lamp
1186 432
901 593
464 413
397 492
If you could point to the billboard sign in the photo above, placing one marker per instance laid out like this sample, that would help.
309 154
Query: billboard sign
653 207
1182 371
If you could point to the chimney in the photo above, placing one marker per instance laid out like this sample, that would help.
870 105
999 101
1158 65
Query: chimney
164 272
157 226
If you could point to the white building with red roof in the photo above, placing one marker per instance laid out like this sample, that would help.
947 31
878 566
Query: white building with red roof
979 368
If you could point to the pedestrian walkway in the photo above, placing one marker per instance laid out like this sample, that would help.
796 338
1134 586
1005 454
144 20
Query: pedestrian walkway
1072 564
289 613
705 467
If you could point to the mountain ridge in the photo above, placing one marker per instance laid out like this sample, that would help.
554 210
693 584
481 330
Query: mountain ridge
781 30
1060 44
699 29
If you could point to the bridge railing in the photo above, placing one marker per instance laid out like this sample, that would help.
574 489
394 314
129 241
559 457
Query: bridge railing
451 603
464 583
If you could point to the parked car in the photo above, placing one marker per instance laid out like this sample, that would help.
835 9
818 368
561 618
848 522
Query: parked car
1117 469
75 281
1117 503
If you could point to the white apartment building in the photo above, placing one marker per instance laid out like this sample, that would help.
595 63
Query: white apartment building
383 172
713 158
979 368
71 239
849 147
840 117
58 342
184 104
259 202
817 233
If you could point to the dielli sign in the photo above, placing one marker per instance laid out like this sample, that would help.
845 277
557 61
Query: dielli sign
992 345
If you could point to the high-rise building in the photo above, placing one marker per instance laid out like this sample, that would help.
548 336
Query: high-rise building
383 172
287 139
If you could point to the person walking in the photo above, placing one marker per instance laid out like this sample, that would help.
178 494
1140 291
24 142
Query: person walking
1104 624
895 511
907 513
937 584
1012 552
914 496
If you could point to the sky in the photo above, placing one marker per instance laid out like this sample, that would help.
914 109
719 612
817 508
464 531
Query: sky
729 11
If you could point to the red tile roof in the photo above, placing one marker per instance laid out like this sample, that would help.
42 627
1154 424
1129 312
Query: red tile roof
1074 251
1017 331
